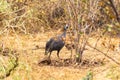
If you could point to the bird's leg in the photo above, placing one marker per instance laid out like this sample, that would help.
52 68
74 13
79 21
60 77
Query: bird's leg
58 54
49 55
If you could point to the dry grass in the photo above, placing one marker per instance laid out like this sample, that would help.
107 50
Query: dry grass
28 68
17 18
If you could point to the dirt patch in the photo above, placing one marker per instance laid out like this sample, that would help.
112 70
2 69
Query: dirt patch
55 69
71 62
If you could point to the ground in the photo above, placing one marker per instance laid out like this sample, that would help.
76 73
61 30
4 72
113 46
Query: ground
30 51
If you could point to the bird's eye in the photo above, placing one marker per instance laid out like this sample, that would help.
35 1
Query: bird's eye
66 26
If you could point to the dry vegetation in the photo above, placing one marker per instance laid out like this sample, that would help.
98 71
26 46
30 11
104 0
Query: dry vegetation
92 39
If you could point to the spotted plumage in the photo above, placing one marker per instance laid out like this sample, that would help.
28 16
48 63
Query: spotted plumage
56 44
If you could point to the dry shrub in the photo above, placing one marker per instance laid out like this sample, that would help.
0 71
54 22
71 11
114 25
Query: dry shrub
83 16
41 15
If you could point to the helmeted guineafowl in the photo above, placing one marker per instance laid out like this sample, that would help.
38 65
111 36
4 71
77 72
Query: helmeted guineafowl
56 44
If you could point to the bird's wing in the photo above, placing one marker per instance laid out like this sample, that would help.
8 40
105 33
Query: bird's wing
48 44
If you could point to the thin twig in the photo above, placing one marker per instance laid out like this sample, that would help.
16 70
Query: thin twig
105 54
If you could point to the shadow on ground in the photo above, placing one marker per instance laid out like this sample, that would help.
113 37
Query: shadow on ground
71 62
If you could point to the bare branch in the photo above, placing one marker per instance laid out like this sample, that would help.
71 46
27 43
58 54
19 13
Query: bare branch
105 54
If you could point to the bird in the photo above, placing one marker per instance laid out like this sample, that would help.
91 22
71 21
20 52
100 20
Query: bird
56 43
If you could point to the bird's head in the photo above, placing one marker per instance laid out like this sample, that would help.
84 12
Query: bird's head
66 27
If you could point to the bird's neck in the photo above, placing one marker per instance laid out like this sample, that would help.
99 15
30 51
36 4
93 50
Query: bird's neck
64 34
